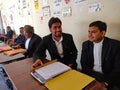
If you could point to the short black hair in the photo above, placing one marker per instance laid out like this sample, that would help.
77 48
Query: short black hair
54 20
101 25
29 29
21 28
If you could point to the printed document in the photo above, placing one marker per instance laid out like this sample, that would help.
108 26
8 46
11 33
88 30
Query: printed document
49 71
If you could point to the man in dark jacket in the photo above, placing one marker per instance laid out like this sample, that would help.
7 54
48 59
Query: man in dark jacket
32 40
9 33
20 40
59 45
100 56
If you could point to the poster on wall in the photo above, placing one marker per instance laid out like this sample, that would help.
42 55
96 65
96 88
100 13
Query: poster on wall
21 7
10 17
57 8
23 4
79 1
45 2
66 12
67 1
29 8
36 6
46 11
4 20
95 7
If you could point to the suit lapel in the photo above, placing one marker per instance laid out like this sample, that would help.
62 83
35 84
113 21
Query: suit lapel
91 50
54 48
64 44
104 49
31 41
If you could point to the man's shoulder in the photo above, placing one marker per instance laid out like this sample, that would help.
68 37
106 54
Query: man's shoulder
47 36
87 42
36 37
10 31
66 34
112 41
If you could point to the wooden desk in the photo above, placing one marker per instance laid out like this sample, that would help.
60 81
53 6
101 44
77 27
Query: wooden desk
19 73
5 58
2 44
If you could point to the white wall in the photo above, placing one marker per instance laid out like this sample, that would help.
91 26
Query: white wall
77 24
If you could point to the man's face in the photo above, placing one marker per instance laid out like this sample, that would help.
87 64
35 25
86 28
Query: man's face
8 28
95 35
56 29
21 31
27 35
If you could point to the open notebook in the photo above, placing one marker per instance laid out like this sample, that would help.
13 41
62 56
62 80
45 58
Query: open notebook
49 71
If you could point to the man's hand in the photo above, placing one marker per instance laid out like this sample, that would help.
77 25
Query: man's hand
37 63
16 46
70 65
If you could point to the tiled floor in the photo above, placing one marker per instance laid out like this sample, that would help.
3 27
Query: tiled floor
3 80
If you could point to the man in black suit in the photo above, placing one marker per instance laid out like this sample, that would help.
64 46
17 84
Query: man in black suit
59 45
20 40
100 56
32 40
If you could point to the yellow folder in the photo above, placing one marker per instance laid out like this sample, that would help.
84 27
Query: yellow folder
70 80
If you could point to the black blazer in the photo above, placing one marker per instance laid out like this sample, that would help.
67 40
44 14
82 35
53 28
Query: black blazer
20 40
33 44
110 60
69 49
9 34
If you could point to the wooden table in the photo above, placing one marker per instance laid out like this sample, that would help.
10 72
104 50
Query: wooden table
2 44
19 74
5 58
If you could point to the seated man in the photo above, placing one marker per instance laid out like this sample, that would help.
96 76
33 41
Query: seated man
100 56
20 40
59 45
32 40
10 33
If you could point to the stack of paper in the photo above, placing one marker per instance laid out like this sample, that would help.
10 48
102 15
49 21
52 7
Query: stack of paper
58 76
6 48
14 51
49 71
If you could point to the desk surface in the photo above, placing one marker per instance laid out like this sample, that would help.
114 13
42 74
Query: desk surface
2 44
19 73
5 58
